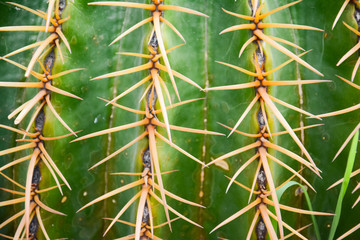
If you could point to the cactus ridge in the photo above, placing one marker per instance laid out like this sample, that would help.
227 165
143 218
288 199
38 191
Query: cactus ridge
31 216
53 40
157 7
151 123
154 92
263 175
32 192
257 26
267 219
46 78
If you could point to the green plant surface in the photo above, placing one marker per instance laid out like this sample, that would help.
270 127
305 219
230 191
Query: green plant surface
90 50
91 29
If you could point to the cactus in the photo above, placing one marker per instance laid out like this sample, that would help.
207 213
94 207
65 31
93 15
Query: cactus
142 148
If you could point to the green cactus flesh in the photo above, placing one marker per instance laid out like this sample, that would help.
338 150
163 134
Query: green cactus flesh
211 60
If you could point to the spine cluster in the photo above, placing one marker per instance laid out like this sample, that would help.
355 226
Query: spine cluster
153 120
266 195
45 56
155 94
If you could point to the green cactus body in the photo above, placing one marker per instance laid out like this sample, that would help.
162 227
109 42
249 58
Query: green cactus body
91 29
